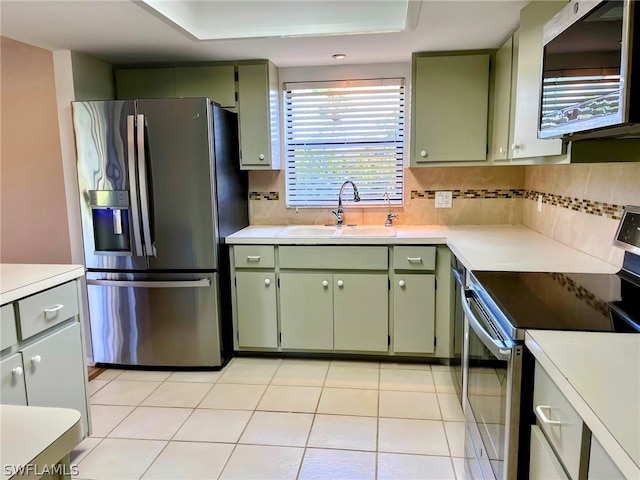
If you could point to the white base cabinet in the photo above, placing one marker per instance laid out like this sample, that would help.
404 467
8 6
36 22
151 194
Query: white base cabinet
256 312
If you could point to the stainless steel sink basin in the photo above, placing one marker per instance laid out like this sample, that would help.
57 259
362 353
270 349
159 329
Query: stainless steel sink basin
333 231
367 231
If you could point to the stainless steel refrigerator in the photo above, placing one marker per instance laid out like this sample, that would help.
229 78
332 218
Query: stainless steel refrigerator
160 188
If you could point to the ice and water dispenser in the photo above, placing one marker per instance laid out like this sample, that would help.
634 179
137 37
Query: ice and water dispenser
111 227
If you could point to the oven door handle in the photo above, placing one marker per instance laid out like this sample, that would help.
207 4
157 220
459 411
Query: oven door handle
496 347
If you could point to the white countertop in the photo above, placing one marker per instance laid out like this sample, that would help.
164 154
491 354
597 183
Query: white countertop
37 436
511 248
19 280
599 373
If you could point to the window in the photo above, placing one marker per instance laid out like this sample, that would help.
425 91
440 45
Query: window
344 130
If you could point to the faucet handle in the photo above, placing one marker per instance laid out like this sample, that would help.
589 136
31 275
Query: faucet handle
390 217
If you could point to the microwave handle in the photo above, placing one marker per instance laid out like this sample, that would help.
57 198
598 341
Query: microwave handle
496 347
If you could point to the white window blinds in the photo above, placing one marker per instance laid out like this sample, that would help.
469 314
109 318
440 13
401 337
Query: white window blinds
344 130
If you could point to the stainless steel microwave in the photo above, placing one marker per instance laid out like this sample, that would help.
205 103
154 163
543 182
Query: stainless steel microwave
589 86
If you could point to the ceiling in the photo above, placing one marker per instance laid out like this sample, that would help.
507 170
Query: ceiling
124 31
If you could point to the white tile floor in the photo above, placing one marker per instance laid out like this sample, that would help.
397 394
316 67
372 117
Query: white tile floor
275 419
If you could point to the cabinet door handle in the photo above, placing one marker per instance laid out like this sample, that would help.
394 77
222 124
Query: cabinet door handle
402 283
36 359
17 372
267 282
414 259
424 154
325 283
253 258
515 147
261 156
53 310
340 283
542 416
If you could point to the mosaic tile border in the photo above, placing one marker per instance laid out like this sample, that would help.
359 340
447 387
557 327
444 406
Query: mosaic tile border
580 292
581 205
264 195
470 193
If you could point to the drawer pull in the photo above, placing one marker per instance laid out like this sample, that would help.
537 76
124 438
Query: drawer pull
542 416
253 258
48 311
36 359
414 259
17 372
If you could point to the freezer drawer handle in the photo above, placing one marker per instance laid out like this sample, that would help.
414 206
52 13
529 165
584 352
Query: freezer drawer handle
203 282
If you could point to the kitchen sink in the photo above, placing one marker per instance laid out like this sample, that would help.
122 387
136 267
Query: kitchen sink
333 231
367 231
308 231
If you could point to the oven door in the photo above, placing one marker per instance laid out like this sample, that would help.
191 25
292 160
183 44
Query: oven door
492 372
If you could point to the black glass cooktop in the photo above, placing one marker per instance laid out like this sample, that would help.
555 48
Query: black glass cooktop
565 301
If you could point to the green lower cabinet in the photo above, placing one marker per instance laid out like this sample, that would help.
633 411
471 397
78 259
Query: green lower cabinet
12 388
361 311
257 320
54 371
306 311
414 311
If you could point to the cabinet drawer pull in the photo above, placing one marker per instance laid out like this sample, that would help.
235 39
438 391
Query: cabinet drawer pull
36 359
414 259
17 372
253 258
542 416
55 309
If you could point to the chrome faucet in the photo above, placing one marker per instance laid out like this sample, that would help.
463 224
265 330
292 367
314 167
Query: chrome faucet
390 216
356 198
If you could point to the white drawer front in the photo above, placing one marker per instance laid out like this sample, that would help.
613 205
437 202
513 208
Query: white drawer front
46 309
561 423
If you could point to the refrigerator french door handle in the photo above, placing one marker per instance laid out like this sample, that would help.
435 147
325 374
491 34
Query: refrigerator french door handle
149 249
133 187
203 282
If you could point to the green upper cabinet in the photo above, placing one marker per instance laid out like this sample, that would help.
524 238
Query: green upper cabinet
259 114
502 101
527 63
134 83
450 100
214 81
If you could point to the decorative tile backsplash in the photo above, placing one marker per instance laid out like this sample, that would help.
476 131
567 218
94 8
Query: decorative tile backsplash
578 204
264 195
478 193
580 292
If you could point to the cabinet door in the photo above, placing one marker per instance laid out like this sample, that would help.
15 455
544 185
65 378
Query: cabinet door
257 115
216 82
54 371
451 96
256 309
361 311
414 310
132 83
12 388
601 466
306 310
525 111
502 101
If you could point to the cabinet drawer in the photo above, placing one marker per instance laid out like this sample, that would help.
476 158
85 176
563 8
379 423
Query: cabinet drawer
48 308
561 424
543 465
254 256
414 258
336 258
8 334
